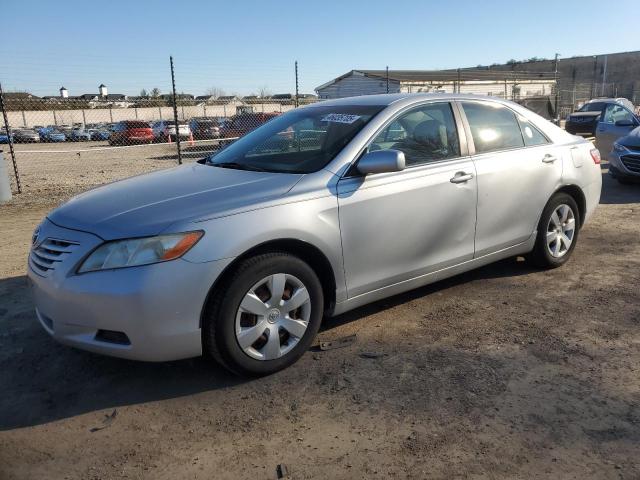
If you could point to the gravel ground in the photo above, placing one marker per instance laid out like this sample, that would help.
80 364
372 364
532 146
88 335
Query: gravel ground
52 172
504 372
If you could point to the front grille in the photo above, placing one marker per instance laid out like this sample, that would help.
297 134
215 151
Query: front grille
634 148
581 119
632 162
45 257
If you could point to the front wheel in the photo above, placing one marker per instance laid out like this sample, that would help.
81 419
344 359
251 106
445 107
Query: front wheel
265 316
557 232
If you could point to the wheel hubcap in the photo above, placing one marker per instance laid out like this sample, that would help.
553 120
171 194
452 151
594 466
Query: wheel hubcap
273 316
560 231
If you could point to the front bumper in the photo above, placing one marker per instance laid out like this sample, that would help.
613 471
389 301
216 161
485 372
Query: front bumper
624 165
157 307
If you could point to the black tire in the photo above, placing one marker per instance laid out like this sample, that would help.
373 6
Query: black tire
624 181
218 324
540 255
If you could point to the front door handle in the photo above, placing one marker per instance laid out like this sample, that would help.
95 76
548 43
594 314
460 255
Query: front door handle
549 158
461 177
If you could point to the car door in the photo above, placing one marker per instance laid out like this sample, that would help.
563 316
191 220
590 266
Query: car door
616 122
401 225
518 169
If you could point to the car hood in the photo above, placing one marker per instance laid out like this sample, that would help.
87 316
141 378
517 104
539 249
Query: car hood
632 139
584 114
148 204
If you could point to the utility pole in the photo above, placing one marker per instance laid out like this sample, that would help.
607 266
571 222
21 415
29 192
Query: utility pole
593 79
604 74
387 78
296 65
555 75
459 79
175 112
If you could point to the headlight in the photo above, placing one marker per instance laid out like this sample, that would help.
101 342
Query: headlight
619 148
140 251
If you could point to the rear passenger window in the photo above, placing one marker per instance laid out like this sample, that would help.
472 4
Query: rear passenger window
532 136
493 127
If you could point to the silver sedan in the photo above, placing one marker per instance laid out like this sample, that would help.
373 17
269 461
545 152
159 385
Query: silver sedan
321 210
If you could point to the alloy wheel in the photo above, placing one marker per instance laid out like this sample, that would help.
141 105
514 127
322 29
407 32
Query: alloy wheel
560 231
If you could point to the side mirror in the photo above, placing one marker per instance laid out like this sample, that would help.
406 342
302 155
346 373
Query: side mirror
625 123
382 161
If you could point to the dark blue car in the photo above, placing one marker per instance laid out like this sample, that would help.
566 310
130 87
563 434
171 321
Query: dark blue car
51 135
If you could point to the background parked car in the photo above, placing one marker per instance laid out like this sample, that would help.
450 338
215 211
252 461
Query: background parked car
624 158
165 130
616 121
99 134
79 135
129 132
25 136
4 138
204 128
52 135
242 124
584 121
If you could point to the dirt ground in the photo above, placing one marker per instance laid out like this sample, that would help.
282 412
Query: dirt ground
505 372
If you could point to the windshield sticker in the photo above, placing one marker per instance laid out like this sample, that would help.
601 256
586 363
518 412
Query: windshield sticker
340 118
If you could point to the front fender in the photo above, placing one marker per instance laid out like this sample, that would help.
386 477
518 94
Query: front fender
314 221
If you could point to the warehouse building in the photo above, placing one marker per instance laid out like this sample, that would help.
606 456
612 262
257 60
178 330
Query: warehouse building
504 84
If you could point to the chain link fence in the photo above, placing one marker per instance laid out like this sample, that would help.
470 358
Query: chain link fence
64 144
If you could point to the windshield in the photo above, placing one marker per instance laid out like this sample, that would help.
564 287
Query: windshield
592 107
300 141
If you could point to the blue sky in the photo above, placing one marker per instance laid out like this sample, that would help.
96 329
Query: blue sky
243 46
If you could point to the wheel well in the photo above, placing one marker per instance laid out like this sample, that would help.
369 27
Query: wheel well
578 196
312 255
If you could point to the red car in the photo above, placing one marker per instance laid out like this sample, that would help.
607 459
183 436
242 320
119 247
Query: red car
242 124
129 132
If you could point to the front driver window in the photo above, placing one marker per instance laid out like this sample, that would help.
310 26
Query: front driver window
614 113
424 134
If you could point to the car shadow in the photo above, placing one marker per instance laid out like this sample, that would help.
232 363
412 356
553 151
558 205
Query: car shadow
45 381
510 267
614 192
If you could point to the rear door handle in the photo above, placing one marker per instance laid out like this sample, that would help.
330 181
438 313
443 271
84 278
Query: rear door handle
549 158
461 177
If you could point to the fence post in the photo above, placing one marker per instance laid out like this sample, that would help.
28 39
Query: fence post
24 119
84 119
111 114
8 131
296 84
55 118
5 186
555 78
175 111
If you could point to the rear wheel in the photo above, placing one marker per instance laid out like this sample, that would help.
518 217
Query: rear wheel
265 316
557 232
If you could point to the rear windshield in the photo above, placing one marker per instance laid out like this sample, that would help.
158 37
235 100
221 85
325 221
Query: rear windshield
300 141
137 124
592 107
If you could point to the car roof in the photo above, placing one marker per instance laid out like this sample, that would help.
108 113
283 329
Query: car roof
390 98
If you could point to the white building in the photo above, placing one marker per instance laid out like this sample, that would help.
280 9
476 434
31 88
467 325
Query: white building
504 84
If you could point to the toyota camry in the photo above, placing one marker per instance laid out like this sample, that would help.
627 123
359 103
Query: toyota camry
321 210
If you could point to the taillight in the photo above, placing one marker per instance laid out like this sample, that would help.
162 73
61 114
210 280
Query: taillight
595 154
